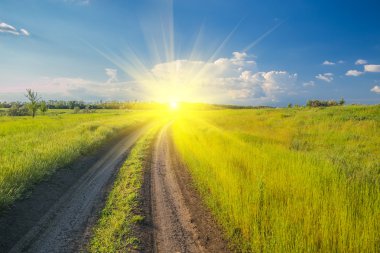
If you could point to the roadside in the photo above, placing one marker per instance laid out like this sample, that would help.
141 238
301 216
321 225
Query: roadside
55 216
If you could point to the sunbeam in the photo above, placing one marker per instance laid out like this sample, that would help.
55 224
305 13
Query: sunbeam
163 73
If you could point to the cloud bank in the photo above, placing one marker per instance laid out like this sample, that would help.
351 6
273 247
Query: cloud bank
233 80
225 80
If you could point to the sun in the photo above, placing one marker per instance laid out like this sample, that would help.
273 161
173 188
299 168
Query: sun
173 105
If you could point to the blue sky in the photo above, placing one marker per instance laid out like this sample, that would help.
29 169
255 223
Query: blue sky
191 50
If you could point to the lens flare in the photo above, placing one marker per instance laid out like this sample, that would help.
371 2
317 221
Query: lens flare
173 105
159 70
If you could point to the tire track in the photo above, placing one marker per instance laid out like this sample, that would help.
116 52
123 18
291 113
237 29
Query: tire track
174 230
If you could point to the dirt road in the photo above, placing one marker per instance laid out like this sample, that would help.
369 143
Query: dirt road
180 222
60 212
63 226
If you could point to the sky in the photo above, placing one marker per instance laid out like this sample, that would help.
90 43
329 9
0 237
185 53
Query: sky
242 52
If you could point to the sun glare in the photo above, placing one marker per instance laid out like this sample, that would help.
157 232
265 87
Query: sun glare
173 105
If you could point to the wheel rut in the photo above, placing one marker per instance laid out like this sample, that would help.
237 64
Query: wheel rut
180 222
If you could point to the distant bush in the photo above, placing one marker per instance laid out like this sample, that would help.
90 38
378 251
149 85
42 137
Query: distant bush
89 109
76 109
324 103
18 109
3 112
43 107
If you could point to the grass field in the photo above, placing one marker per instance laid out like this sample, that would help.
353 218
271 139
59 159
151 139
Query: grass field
288 180
277 180
31 149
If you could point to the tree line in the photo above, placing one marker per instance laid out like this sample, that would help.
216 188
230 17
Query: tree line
320 103
35 103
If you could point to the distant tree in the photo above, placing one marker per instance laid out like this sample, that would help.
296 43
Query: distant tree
324 103
43 107
76 109
87 109
72 104
290 105
331 103
17 109
33 101
342 101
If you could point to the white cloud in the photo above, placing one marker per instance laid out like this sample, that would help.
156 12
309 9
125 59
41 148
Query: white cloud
309 84
376 89
354 72
6 28
112 75
361 62
226 80
340 61
24 32
372 68
327 77
328 63
275 81
239 55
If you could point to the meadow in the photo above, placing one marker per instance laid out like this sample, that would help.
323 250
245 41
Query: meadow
288 180
276 180
32 149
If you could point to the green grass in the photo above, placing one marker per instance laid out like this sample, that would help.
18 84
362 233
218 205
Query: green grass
31 149
114 231
288 180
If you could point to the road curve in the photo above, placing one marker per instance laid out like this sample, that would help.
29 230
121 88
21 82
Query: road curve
65 223
174 230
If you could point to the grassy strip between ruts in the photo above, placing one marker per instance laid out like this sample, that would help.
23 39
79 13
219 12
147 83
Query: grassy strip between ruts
114 230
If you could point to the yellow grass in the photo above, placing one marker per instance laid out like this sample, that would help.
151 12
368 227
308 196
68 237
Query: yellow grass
31 149
288 180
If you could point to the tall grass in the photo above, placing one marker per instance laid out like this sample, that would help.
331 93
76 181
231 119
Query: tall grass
288 180
31 149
